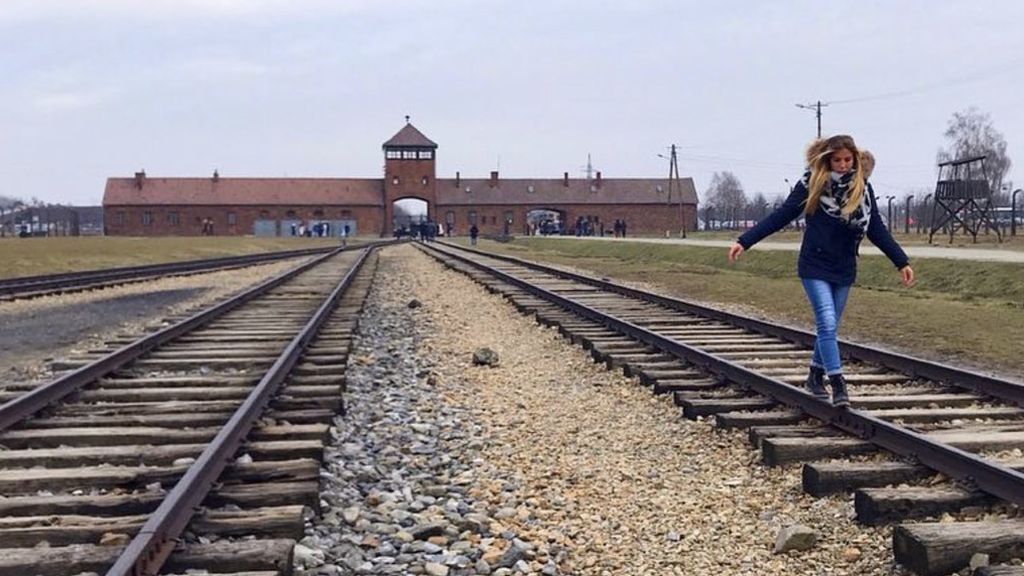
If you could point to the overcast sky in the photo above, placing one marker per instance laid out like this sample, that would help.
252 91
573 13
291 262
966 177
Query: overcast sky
97 88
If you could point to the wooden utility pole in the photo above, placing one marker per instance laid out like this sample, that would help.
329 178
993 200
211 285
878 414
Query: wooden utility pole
817 108
676 183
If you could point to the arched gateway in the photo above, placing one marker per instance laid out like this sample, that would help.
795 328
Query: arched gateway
219 205
409 161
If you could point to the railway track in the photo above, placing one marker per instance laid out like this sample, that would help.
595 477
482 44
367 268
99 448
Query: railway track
198 445
36 286
927 417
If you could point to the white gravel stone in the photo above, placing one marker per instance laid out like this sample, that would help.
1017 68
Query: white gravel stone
546 463
600 468
796 537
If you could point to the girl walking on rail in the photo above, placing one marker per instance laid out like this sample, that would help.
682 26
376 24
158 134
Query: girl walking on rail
840 209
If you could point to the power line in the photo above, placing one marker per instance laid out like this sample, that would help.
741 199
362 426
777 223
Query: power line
954 81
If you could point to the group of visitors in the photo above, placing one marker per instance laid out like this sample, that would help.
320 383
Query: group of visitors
317 230
593 226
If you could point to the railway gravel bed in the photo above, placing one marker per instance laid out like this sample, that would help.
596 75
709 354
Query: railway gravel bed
137 453
61 325
546 463
940 414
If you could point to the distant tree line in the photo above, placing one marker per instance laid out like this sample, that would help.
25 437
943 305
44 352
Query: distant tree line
726 204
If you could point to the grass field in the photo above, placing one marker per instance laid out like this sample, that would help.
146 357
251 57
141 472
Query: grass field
986 242
960 312
32 256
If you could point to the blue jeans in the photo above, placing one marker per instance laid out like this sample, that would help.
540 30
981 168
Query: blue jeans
827 300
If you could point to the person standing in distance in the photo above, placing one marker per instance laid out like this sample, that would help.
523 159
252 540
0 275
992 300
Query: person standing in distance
840 209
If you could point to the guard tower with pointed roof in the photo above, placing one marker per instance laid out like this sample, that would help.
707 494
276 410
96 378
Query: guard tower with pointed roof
409 171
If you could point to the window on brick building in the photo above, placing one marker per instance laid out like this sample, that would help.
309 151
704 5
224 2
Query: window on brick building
426 154
232 218
318 213
147 218
290 214
472 216
393 154
346 214
409 154
264 214
119 218
394 180
449 218
173 219
508 216
424 180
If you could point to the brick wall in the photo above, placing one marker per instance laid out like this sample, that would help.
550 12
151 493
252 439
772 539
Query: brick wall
640 219
129 220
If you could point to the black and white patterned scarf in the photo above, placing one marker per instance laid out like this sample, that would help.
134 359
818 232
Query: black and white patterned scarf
833 198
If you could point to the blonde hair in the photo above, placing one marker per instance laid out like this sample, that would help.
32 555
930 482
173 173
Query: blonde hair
819 155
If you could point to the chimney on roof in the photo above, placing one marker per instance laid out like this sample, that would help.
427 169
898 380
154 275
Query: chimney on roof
565 179
216 175
494 178
598 183
139 178
458 179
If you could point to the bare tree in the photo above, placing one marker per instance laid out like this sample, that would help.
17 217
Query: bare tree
758 207
971 133
726 196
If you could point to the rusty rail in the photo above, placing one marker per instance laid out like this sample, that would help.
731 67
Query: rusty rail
1002 388
147 552
989 477
36 285
31 402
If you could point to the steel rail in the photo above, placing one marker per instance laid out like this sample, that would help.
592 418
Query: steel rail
84 278
22 407
989 477
147 552
1002 388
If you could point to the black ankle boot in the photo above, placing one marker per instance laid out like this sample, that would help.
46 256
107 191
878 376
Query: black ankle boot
816 383
840 398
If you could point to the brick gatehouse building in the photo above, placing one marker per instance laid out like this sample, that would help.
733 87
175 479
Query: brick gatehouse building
158 206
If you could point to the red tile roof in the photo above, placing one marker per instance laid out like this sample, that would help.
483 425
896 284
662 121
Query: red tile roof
553 191
410 136
244 191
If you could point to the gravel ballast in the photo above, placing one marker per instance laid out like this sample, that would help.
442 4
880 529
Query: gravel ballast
542 462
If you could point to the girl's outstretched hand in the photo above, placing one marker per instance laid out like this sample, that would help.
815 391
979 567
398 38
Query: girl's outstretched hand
908 275
736 249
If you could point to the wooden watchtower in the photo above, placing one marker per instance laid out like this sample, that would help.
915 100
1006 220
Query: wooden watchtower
963 196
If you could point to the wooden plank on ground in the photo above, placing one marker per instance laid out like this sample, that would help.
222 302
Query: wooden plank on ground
934 549
746 419
876 506
224 556
824 478
780 451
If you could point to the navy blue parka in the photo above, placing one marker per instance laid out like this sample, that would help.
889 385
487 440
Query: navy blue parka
829 248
